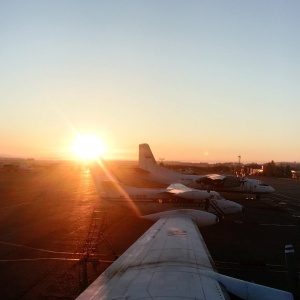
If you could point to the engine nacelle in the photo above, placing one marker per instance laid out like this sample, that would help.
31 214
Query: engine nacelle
202 218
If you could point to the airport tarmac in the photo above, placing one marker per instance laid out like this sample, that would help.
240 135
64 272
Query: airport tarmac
45 217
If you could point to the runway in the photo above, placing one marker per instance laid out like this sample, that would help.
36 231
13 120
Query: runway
45 216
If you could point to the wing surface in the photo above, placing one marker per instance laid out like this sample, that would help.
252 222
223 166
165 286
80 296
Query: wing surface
215 176
178 188
164 263
171 261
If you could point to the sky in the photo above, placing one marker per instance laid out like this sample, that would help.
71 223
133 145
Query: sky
202 81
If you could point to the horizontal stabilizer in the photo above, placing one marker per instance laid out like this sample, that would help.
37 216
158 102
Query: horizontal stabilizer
141 171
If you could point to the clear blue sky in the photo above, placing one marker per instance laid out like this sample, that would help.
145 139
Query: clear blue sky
197 80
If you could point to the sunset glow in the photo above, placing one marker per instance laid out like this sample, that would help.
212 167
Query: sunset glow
193 92
88 147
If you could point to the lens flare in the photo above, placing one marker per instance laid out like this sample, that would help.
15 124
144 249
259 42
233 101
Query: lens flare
88 147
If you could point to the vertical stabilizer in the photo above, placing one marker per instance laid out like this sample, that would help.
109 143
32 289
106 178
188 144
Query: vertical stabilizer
146 158
157 173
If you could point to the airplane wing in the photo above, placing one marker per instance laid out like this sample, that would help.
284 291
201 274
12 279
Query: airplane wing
178 188
215 176
181 191
171 261
217 180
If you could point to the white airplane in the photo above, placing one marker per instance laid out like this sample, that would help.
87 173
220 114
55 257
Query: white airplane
151 200
149 168
171 261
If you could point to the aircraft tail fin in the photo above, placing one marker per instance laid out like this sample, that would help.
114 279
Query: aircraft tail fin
146 158
155 171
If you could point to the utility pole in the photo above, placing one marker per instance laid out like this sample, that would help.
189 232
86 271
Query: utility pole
161 159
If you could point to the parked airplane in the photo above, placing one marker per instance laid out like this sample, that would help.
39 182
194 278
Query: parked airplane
149 168
171 261
150 200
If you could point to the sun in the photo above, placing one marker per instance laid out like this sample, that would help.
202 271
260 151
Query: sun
88 147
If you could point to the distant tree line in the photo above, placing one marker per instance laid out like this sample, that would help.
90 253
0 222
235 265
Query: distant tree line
270 169
207 169
273 170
